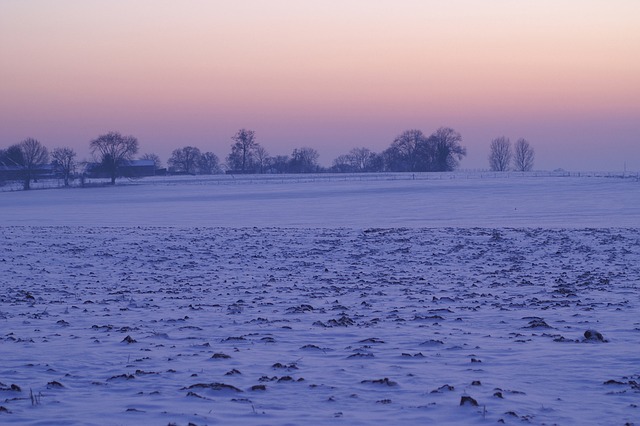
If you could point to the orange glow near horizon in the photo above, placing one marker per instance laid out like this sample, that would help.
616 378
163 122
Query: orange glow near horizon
207 67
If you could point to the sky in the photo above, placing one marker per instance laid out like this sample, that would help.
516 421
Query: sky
331 75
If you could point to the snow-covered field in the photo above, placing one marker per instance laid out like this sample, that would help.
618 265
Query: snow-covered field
329 201
322 302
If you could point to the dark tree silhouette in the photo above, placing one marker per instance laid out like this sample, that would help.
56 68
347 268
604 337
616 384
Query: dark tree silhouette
304 160
523 156
64 162
343 164
412 151
358 160
280 164
363 160
209 164
34 155
446 148
185 160
242 151
500 154
261 159
404 153
112 151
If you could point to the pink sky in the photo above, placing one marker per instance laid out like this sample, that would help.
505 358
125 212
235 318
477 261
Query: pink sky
332 75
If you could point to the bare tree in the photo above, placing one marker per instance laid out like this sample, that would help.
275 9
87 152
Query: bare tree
412 151
500 154
362 159
112 151
280 163
444 146
523 156
404 153
242 151
261 158
304 160
358 160
209 163
157 163
343 164
185 160
64 162
34 155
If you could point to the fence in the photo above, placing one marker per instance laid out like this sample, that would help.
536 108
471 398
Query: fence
12 185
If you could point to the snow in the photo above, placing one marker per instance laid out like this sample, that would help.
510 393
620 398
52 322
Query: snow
382 300
336 201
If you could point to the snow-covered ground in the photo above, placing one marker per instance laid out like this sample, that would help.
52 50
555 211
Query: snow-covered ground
322 302
382 200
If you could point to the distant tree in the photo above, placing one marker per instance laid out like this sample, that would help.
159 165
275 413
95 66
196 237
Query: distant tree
376 163
304 160
363 159
242 153
358 160
209 164
343 164
280 164
447 152
261 158
185 160
393 160
64 162
500 154
157 163
523 156
112 151
412 151
404 153
34 155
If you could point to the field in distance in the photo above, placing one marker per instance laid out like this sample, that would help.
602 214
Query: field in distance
360 201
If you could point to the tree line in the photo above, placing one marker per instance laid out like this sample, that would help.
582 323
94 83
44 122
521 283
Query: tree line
411 151
27 159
